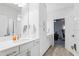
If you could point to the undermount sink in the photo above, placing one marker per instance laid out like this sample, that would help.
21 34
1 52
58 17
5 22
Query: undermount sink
1 46
9 42
6 43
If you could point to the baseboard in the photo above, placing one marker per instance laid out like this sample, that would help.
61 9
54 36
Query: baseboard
47 49
69 51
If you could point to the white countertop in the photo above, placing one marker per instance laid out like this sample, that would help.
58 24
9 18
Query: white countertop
6 44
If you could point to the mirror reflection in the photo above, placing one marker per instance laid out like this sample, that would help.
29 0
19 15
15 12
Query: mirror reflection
9 23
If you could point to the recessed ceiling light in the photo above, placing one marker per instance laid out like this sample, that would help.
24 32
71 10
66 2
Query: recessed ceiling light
20 4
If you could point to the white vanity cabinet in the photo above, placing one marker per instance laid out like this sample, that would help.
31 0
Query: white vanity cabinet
27 52
30 49
25 49
35 50
10 52
22 54
26 46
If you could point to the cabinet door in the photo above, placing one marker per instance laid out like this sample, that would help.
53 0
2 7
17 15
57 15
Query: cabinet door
26 46
35 51
25 53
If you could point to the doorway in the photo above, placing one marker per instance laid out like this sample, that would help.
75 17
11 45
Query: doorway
59 32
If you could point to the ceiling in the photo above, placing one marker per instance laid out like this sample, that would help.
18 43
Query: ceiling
11 5
50 6
57 6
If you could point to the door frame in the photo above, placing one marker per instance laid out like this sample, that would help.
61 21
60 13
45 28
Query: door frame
54 31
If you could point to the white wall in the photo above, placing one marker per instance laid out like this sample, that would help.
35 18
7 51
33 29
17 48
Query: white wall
71 16
61 13
72 23
56 14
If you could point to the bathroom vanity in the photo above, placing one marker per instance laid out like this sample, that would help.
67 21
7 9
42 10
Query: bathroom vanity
22 47
31 22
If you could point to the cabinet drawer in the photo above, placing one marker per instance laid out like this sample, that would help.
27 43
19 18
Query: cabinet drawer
25 53
10 52
26 46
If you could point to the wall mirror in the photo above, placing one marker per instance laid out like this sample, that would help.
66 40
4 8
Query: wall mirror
8 19
3 25
6 26
25 29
